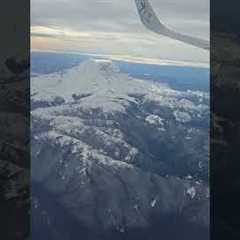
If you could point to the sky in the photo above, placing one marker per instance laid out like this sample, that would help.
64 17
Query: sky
112 28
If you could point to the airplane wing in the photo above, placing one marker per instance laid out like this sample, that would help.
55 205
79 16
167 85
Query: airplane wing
151 21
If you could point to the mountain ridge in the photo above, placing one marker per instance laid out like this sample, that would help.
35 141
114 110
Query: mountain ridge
133 147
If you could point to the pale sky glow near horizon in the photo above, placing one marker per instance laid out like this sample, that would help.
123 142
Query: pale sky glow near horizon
112 28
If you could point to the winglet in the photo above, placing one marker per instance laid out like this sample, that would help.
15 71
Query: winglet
149 18
151 21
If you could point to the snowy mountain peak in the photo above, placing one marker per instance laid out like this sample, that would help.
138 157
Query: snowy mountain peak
99 84
98 79
99 66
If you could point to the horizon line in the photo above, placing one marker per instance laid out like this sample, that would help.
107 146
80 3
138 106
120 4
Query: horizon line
132 59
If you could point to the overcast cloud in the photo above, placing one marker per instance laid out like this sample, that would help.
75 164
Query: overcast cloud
112 27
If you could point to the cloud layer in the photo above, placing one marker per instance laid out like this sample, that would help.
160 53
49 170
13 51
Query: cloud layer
113 27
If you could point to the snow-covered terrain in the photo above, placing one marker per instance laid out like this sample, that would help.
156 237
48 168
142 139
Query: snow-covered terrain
99 84
102 138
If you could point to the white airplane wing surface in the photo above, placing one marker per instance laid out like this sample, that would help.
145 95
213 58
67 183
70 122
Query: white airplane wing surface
151 21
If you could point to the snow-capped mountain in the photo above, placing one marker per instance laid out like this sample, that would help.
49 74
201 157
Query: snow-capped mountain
100 85
117 154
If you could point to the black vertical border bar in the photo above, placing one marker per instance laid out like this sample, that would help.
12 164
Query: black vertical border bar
211 165
225 120
15 120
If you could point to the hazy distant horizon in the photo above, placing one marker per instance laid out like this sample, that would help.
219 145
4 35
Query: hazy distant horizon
130 59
